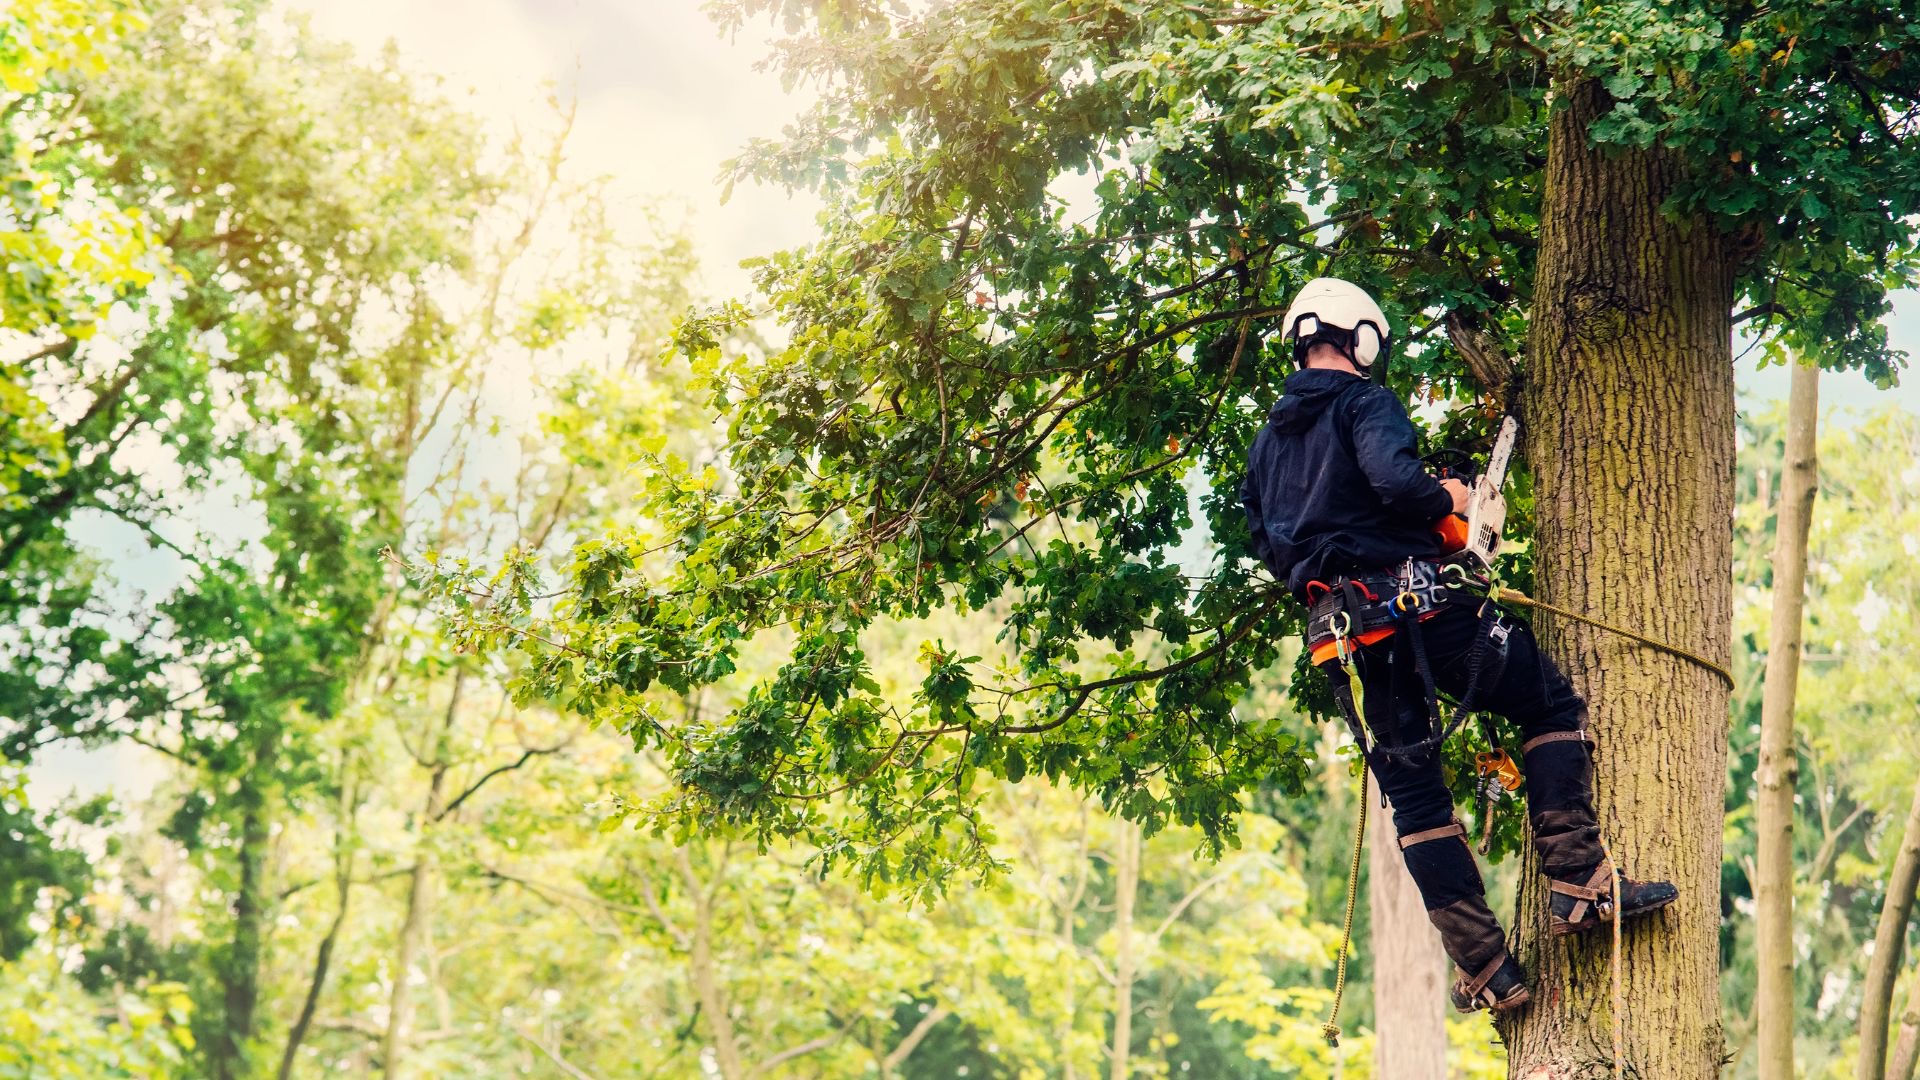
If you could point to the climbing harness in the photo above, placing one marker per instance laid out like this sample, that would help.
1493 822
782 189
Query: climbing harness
1356 611
1331 1029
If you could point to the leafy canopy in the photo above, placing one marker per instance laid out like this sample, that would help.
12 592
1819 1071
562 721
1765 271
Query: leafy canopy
1002 390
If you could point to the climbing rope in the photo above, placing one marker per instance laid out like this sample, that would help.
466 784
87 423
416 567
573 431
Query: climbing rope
1515 596
1613 961
1332 1027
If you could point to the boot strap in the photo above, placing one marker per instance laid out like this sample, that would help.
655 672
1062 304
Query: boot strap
1453 828
1473 988
1590 893
1578 735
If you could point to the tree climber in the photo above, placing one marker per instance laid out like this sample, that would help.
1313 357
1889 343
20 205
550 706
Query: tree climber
1341 509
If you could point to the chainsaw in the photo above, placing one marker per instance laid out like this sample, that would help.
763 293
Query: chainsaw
1476 534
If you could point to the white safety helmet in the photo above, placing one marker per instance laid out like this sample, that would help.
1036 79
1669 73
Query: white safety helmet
1343 315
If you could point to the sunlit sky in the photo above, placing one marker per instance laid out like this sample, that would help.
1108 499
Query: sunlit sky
664 100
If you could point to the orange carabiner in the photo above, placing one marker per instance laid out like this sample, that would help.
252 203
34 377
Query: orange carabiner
1499 763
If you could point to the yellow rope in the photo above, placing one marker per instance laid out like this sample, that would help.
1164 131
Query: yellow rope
1515 596
1332 1027
1619 995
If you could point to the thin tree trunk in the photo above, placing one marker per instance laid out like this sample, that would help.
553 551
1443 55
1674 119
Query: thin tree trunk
902 1050
420 883
1779 770
1630 415
1409 968
1069 950
232 1045
1907 1048
400 1003
1889 942
706 977
1126 888
343 861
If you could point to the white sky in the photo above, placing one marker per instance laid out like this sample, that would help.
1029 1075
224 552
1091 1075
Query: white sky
664 99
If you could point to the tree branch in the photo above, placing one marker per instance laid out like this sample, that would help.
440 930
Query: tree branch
496 771
802 1050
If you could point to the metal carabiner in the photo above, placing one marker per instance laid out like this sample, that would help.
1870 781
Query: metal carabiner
1340 633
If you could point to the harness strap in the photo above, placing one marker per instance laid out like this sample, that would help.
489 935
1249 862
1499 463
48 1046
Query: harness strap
1452 828
1578 735
1473 988
1590 893
1488 658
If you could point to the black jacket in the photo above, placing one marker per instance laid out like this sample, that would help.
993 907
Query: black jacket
1334 482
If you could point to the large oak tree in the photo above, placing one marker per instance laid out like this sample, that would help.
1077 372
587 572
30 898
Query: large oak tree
1001 388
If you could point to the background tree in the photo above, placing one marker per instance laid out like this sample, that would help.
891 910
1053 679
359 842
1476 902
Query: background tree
1778 768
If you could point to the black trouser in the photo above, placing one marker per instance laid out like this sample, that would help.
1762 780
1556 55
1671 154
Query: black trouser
1530 692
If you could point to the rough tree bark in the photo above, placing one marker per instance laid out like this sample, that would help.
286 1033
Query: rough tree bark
1630 414
1779 769
1889 942
1409 969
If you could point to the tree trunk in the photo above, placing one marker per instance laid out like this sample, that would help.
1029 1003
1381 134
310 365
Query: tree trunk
343 862
433 754
1409 969
706 976
1778 771
412 931
1068 911
1889 942
232 1046
1907 1048
1126 887
1630 413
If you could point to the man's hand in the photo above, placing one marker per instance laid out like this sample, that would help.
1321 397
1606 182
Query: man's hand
1460 494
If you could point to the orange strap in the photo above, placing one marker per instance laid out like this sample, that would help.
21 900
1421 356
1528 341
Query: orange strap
1329 650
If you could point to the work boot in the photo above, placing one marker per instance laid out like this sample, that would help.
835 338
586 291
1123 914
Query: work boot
1580 878
1488 976
1443 867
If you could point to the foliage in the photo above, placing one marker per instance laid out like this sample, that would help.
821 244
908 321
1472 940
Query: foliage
1039 396
51 1030
68 251
938 574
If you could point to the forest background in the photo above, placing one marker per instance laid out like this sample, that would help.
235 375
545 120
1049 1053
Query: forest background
280 296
